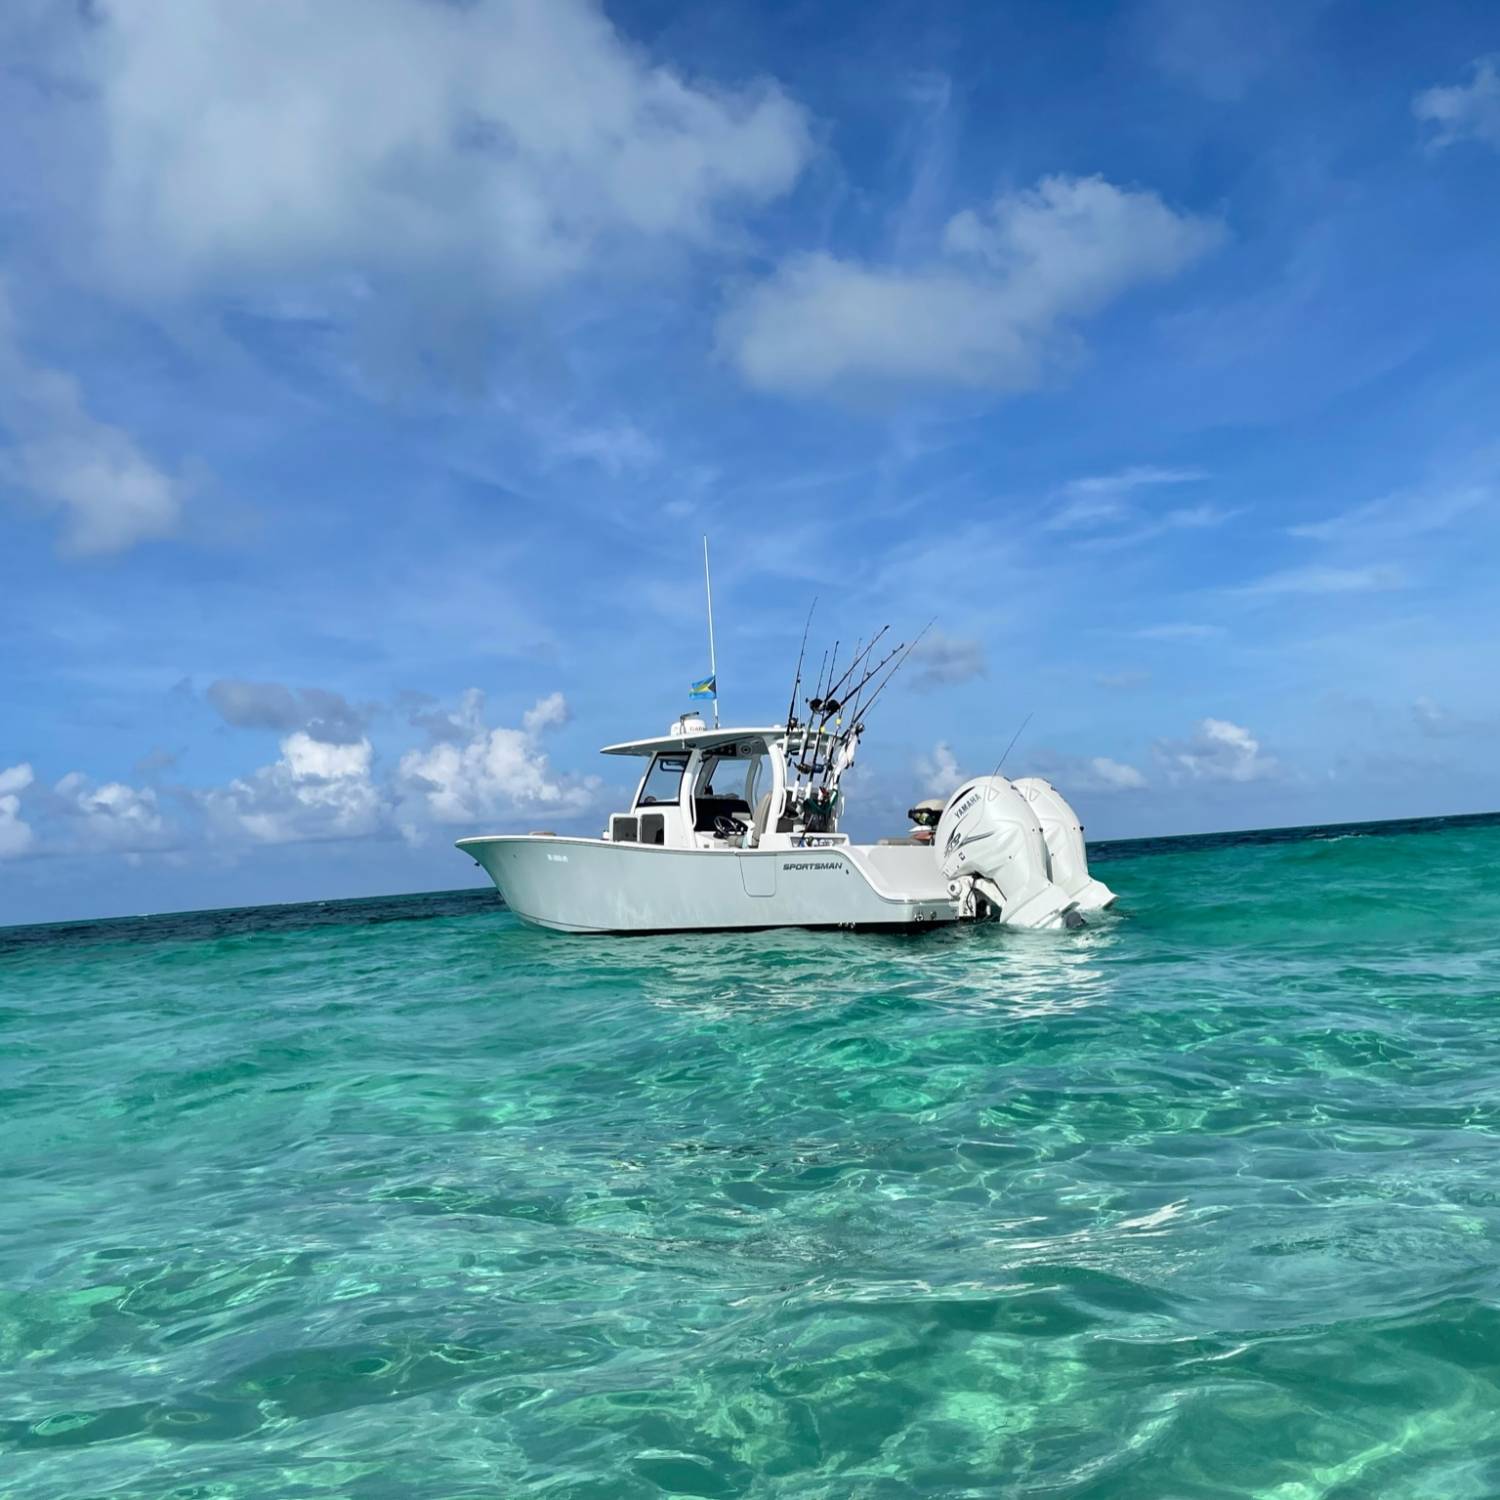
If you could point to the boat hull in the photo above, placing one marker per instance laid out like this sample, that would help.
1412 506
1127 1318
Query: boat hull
592 885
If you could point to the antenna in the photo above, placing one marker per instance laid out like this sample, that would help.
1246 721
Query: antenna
1000 764
713 665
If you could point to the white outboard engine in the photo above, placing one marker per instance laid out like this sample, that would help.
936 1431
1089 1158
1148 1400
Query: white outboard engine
1064 835
989 842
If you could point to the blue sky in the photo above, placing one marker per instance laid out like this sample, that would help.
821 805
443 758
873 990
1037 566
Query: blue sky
370 370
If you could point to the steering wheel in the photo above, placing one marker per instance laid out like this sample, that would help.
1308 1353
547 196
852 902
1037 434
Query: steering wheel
726 828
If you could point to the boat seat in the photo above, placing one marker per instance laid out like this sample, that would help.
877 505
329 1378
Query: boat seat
784 823
706 809
762 817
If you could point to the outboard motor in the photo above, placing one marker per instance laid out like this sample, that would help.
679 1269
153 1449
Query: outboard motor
989 841
1064 835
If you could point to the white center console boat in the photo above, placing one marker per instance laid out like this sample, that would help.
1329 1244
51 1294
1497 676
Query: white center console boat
739 828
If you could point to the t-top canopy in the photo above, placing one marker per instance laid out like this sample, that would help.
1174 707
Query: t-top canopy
700 739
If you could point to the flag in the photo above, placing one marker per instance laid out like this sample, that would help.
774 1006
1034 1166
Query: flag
708 688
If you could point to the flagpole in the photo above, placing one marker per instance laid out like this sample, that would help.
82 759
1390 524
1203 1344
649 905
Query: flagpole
713 665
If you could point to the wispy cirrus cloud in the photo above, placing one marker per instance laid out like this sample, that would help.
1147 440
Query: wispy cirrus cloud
1179 630
1110 508
1394 518
1324 580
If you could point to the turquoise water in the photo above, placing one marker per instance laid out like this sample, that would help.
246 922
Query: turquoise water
401 1199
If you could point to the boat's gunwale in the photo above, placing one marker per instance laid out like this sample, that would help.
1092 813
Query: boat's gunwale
859 868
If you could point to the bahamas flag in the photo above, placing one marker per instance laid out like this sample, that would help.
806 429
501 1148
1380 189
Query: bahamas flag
708 688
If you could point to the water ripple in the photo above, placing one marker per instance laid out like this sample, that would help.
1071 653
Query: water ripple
401 1199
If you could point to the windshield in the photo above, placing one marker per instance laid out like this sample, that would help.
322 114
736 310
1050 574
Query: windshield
730 777
663 781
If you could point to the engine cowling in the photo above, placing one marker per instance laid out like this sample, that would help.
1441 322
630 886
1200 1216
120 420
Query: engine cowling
989 835
1064 835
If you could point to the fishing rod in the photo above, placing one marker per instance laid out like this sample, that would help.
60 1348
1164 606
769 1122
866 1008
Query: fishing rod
851 699
830 705
852 703
817 697
849 672
872 672
791 708
886 681
815 705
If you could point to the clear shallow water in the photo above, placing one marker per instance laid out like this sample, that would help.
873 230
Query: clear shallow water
398 1198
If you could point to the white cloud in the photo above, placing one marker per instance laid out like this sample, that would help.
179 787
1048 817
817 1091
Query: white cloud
315 790
15 834
1100 502
495 145
112 816
482 772
995 311
1108 775
1219 751
1394 518
1138 476
939 772
1182 630
1464 111
1095 773
1318 580
617 447
546 713
110 493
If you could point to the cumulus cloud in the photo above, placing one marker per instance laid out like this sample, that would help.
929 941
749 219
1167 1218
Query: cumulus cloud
1090 773
314 790
475 771
996 310
110 494
1218 751
325 715
1106 775
16 837
1464 111
938 772
111 816
496 145
939 660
